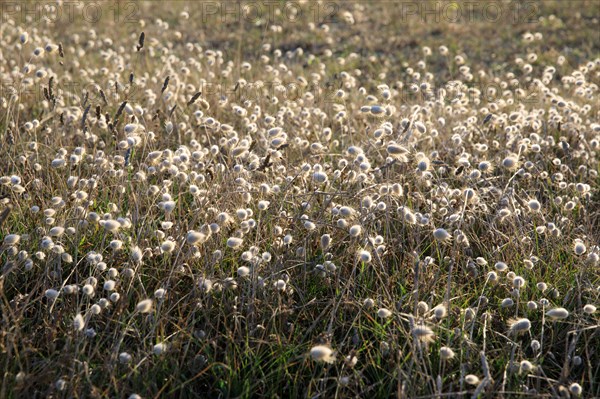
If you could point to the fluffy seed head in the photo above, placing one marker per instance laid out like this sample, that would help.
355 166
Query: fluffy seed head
510 162
519 326
395 149
446 353
124 357
320 177
56 231
194 237
481 261
322 353
355 230
507 302
136 254
471 379
243 271
441 234
78 322
167 246
88 289
589 309
534 205
280 285
51 293
144 306
159 348
542 286
364 256
234 242
384 313
12 239
557 313
325 241
579 248
518 282
205 285
526 366
575 389
109 285
501 266
110 225
423 333
440 311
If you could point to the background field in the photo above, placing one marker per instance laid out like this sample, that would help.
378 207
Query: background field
299 199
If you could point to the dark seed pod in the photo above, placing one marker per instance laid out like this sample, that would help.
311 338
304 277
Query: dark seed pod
194 98
165 84
140 44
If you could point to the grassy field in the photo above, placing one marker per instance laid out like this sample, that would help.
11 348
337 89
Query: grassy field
299 199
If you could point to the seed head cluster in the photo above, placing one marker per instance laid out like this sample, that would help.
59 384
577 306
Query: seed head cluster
164 200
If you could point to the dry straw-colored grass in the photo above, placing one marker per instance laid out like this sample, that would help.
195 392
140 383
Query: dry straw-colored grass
354 202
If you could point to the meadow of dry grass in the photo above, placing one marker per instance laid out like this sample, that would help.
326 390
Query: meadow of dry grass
299 199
